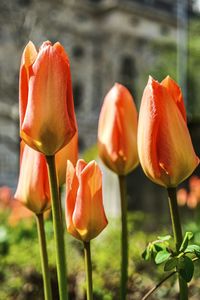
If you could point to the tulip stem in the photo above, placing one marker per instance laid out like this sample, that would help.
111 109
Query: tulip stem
178 237
88 268
58 228
124 238
44 257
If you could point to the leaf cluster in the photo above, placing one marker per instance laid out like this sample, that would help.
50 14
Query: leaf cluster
181 261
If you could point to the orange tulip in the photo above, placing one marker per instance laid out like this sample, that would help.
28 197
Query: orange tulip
117 131
164 144
69 152
47 119
85 216
33 185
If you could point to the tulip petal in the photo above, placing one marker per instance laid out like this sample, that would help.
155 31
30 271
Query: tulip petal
71 192
176 94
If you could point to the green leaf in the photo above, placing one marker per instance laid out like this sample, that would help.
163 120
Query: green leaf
192 248
187 237
158 247
164 237
186 268
146 254
170 264
162 256
197 253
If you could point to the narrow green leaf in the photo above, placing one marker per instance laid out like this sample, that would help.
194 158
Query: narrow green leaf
164 238
188 270
187 237
170 264
162 256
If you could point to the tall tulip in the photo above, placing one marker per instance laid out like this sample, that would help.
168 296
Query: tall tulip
117 145
47 119
33 185
117 131
85 216
164 145
33 191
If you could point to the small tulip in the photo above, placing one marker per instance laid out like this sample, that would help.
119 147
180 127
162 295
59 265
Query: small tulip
33 185
69 152
117 131
85 216
47 119
164 145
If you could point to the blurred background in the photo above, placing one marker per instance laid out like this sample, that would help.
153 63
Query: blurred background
107 41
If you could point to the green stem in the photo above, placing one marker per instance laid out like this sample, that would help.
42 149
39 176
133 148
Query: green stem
44 257
88 268
58 228
178 237
124 238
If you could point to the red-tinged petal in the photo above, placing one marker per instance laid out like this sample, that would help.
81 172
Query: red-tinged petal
33 186
164 144
175 92
28 58
48 100
117 131
69 152
71 193
89 216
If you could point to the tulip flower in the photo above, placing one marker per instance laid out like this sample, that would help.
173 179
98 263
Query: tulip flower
85 216
164 145
33 185
47 119
69 152
117 131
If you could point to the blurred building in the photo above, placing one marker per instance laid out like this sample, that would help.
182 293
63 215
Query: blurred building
107 41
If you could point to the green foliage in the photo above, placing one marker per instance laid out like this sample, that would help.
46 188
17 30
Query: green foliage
160 252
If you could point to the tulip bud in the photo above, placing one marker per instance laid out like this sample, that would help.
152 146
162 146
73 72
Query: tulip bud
33 185
117 131
85 216
69 152
47 119
164 145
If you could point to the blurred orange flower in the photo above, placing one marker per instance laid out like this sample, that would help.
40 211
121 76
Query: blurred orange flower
33 185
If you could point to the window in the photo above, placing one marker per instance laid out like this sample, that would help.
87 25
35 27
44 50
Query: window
78 94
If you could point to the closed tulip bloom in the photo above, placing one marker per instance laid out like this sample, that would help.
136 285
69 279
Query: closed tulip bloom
117 131
47 119
85 216
69 152
33 185
164 145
